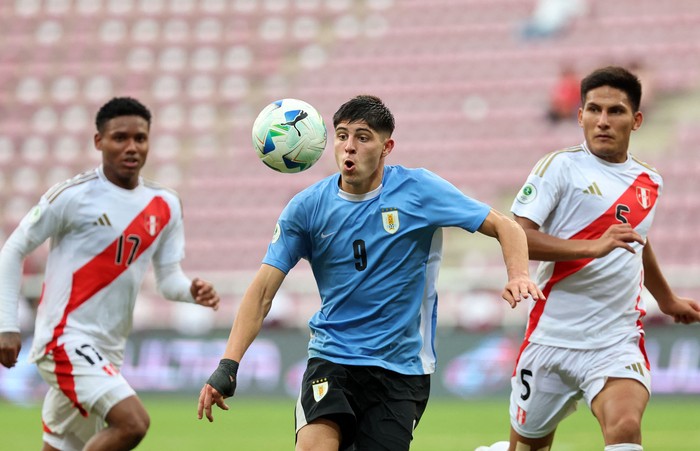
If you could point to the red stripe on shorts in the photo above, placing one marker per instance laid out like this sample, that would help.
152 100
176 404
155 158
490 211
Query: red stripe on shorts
64 377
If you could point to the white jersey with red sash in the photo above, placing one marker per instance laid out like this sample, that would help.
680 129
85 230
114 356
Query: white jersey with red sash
102 240
572 194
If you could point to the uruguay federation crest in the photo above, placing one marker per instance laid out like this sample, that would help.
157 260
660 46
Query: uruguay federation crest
644 197
390 219
320 388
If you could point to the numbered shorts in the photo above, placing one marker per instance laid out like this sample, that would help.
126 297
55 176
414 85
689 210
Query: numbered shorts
549 381
83 388
376 409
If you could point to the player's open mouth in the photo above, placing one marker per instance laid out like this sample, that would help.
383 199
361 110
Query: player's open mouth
348 164
131 162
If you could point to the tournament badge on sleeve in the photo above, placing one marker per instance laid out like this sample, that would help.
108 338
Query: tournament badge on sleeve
390 219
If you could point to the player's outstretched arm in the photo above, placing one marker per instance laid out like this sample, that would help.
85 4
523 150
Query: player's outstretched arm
682 310
515 255
254 306
12 256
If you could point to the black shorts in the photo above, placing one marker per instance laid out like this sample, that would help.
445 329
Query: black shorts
376 409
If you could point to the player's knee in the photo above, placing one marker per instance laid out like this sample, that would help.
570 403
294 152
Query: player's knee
140 426
134 430
627 428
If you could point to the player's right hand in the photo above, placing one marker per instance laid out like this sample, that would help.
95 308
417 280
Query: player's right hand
520 288
208 396
221 385
10 345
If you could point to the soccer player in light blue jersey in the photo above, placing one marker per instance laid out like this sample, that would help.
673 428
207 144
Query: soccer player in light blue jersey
373 236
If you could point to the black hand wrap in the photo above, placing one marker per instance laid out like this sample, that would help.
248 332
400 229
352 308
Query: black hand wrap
223 379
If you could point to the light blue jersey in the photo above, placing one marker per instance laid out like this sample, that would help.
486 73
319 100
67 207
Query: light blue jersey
375 258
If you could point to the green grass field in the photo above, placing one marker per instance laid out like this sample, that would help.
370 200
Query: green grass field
670 424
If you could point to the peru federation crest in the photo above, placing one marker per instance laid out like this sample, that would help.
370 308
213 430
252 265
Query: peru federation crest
644 197
152 224
390 219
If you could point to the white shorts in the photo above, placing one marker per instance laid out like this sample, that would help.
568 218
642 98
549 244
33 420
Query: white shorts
549 381
83 388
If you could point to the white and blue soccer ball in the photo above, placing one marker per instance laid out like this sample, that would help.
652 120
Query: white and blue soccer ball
289 135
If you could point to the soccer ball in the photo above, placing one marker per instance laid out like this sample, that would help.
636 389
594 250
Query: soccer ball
289 135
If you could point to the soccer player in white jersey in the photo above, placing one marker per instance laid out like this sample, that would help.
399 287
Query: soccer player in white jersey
372 234
587 211
106 226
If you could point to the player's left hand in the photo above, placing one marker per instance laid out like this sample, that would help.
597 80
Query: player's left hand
519 288
683 310
204 293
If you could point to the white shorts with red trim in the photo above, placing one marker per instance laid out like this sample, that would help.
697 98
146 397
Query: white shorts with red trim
549 381
83 388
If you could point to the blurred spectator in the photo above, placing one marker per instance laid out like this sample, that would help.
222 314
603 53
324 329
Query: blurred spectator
565 97
551 17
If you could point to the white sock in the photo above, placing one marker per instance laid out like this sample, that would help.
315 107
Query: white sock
624 447
498 446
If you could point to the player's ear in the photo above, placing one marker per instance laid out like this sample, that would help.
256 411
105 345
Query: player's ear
638 118
96 140
388 147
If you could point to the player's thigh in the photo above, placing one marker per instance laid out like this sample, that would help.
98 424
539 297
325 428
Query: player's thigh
320 434
618 389
129 413
620 399
541 396
325 395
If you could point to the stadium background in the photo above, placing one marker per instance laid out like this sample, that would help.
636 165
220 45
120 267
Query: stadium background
469 93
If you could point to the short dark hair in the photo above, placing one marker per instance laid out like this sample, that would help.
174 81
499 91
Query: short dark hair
366 108
616 77
121 106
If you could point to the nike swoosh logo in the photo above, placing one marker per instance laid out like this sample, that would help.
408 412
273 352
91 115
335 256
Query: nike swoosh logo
326 235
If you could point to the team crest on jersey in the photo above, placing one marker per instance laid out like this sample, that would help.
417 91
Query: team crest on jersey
152 224
390 219
320 388
644 197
